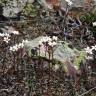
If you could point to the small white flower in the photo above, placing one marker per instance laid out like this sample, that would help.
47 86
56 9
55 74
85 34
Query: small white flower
94 23
89 57
49 39
16 45
94 47
19 45
6 39
2 34
89 67
22 45
40 42
44 39
88 50
76 67
15 48
7 35
11 48
15 32
54 38
25 41
52 44
69 2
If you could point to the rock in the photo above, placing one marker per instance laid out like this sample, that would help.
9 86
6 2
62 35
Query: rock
61 51
34 43
13 7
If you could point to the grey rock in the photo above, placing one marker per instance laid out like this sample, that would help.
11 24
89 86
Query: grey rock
61 52
13 7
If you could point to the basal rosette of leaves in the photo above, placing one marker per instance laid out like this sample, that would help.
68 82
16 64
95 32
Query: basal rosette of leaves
29 10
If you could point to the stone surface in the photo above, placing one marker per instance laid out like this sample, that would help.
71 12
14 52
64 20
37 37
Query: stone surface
61 52
13 7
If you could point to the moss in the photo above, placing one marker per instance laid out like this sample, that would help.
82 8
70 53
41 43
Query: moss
80 58
29 10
